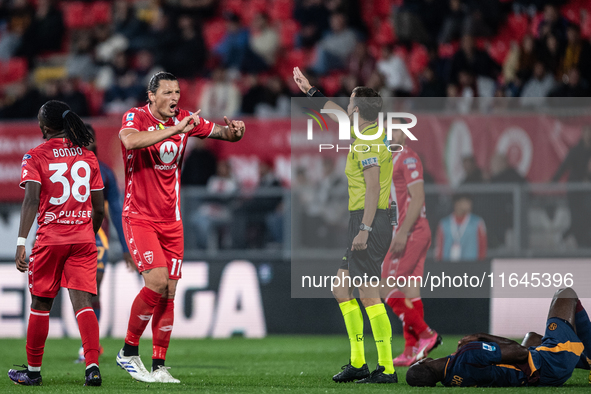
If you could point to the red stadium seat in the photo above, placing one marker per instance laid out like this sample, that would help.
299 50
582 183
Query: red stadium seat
498 50
281 10
101 12
535 24
382 8
331 83
517 25
384 34
76 15
288 30
418 59
448 50
586 25
94 97
213 32
14 70
234 6
572 13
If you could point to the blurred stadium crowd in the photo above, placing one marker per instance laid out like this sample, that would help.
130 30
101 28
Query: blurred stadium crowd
236 56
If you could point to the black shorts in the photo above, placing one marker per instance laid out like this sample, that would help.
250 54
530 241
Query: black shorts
368 261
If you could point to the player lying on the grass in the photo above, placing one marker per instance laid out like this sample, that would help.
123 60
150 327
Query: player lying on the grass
484 360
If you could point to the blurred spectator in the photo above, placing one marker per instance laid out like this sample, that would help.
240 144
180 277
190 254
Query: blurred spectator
453 22
255 94
145 67
462 235
186 58
220 97
124 89
214 215
125 21
467 84
204 9
571 86
45 32
348 83
577 54
80 61
551 53
576 164
483 17
107 45
430 86
313 18
18 19
519 64
234 45
23 102
263 45
393 69
259 219
334 48
160 39
502 171
472 172
276 101
576 160
200 164
470 58
418 20
361 64
71 95
553 24
351 9
537 88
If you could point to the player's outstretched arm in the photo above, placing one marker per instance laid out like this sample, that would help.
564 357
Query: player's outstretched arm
98 209
28 212
511 351
133 139
305 87
233 131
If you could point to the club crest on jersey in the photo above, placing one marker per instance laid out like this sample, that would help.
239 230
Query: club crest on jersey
168 151
410 160
149 256
130 117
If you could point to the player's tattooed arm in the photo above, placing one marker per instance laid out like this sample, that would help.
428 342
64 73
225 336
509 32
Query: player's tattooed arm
233 131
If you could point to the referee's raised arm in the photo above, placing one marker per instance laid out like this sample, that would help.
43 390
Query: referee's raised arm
312 91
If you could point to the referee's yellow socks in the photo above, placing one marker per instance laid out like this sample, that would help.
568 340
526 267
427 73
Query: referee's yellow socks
354 322
382 333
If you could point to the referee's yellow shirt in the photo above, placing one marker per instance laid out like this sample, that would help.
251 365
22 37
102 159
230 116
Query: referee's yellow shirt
365 154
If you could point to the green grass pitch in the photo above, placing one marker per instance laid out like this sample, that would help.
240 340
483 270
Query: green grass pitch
294 364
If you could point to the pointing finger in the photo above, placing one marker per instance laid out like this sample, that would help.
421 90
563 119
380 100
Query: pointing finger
226 120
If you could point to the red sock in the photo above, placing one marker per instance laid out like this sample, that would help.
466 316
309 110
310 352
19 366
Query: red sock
410 339
89 332
414 318
162 323
141 313
36 336
395 300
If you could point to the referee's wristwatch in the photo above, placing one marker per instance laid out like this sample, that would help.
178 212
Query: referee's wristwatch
311 91
363 227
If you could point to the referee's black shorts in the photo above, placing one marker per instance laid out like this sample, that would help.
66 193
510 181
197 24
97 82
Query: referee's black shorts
368 261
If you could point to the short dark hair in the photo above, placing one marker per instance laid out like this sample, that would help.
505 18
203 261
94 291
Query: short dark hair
154 83
371 105
419 375
461 196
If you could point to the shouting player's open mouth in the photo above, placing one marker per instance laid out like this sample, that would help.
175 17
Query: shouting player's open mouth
173 107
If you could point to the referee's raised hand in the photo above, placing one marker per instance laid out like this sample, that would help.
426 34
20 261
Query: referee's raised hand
301 80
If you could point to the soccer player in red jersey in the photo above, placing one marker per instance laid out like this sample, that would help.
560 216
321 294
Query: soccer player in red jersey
408 250
153 140
63 184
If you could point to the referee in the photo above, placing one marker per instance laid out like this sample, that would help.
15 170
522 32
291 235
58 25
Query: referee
369 173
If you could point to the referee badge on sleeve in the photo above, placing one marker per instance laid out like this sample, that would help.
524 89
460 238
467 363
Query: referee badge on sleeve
369 162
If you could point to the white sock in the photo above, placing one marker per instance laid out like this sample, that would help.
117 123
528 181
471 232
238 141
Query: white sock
34 369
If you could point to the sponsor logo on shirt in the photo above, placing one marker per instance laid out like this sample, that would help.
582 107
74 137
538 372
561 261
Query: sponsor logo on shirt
410 160
49 216
369 162
26 157
129 124
129 117
168 151
151 128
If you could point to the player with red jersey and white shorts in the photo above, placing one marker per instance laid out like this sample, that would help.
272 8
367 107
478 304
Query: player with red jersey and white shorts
154 138
63 184
408 250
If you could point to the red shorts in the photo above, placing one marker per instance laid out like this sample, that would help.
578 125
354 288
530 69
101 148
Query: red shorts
70 266
411 262
155 244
